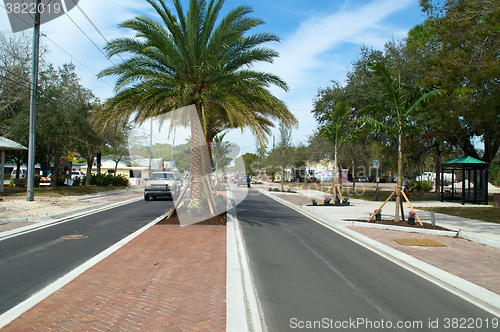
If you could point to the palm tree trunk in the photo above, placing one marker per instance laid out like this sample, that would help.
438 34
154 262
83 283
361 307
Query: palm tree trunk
336 173
400 169
196 157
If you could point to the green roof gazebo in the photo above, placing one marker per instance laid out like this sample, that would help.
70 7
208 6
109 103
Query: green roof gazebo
469 181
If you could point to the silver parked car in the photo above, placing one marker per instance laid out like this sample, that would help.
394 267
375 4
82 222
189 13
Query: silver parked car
161 184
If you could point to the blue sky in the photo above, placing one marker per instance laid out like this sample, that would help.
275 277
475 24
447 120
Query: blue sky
319 41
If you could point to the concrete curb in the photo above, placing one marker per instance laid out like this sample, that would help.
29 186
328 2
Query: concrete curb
107 193
241 315
54 216
467 290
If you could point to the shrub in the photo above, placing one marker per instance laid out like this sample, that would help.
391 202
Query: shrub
193 204
422 186
60 181
427 185
77 181
108 179
219 199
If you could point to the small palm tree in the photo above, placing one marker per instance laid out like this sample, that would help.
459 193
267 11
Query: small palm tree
338 130
195 58
398 111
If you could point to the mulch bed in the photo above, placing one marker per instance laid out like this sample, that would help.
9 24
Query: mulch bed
420 242
218 220
402 224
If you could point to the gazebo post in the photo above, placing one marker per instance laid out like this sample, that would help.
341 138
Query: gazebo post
486 189
463 184
2 170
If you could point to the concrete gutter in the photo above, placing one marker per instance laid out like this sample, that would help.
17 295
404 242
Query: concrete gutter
242 309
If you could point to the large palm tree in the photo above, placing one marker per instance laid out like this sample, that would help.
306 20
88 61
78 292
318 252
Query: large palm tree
195 58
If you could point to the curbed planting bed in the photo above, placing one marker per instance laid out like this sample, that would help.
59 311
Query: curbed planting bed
218 220
401 224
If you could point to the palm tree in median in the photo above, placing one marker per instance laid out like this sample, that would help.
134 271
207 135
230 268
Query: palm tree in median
195 58
397 112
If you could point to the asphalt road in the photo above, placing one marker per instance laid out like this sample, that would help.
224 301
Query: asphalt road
31 261
304 272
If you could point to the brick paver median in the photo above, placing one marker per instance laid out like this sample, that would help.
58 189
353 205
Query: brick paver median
168 278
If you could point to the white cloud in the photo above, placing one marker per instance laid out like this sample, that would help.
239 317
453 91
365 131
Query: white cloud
303 63
299 53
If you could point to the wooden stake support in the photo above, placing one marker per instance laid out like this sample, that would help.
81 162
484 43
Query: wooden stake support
407 200
336 186
179 198
380 208
411 207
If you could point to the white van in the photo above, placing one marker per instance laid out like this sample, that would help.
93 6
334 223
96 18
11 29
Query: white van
22 175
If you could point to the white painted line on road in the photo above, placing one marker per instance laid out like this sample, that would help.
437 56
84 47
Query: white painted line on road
477 295
27 304
241 315
44 224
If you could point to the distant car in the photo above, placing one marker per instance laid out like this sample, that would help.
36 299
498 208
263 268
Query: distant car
77 175
237 177
362 179
161 184
243 180
22 174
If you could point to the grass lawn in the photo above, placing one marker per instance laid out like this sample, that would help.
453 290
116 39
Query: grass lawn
491 214
368 194
59 191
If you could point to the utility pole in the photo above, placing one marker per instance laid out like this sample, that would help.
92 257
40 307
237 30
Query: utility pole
34 81
150 146
172 154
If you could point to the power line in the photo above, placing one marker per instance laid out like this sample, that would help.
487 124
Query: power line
17 15
44 35
64 49
93 25
100 50
21 84
10 72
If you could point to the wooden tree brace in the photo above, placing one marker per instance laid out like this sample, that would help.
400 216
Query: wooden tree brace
411 207
380 208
